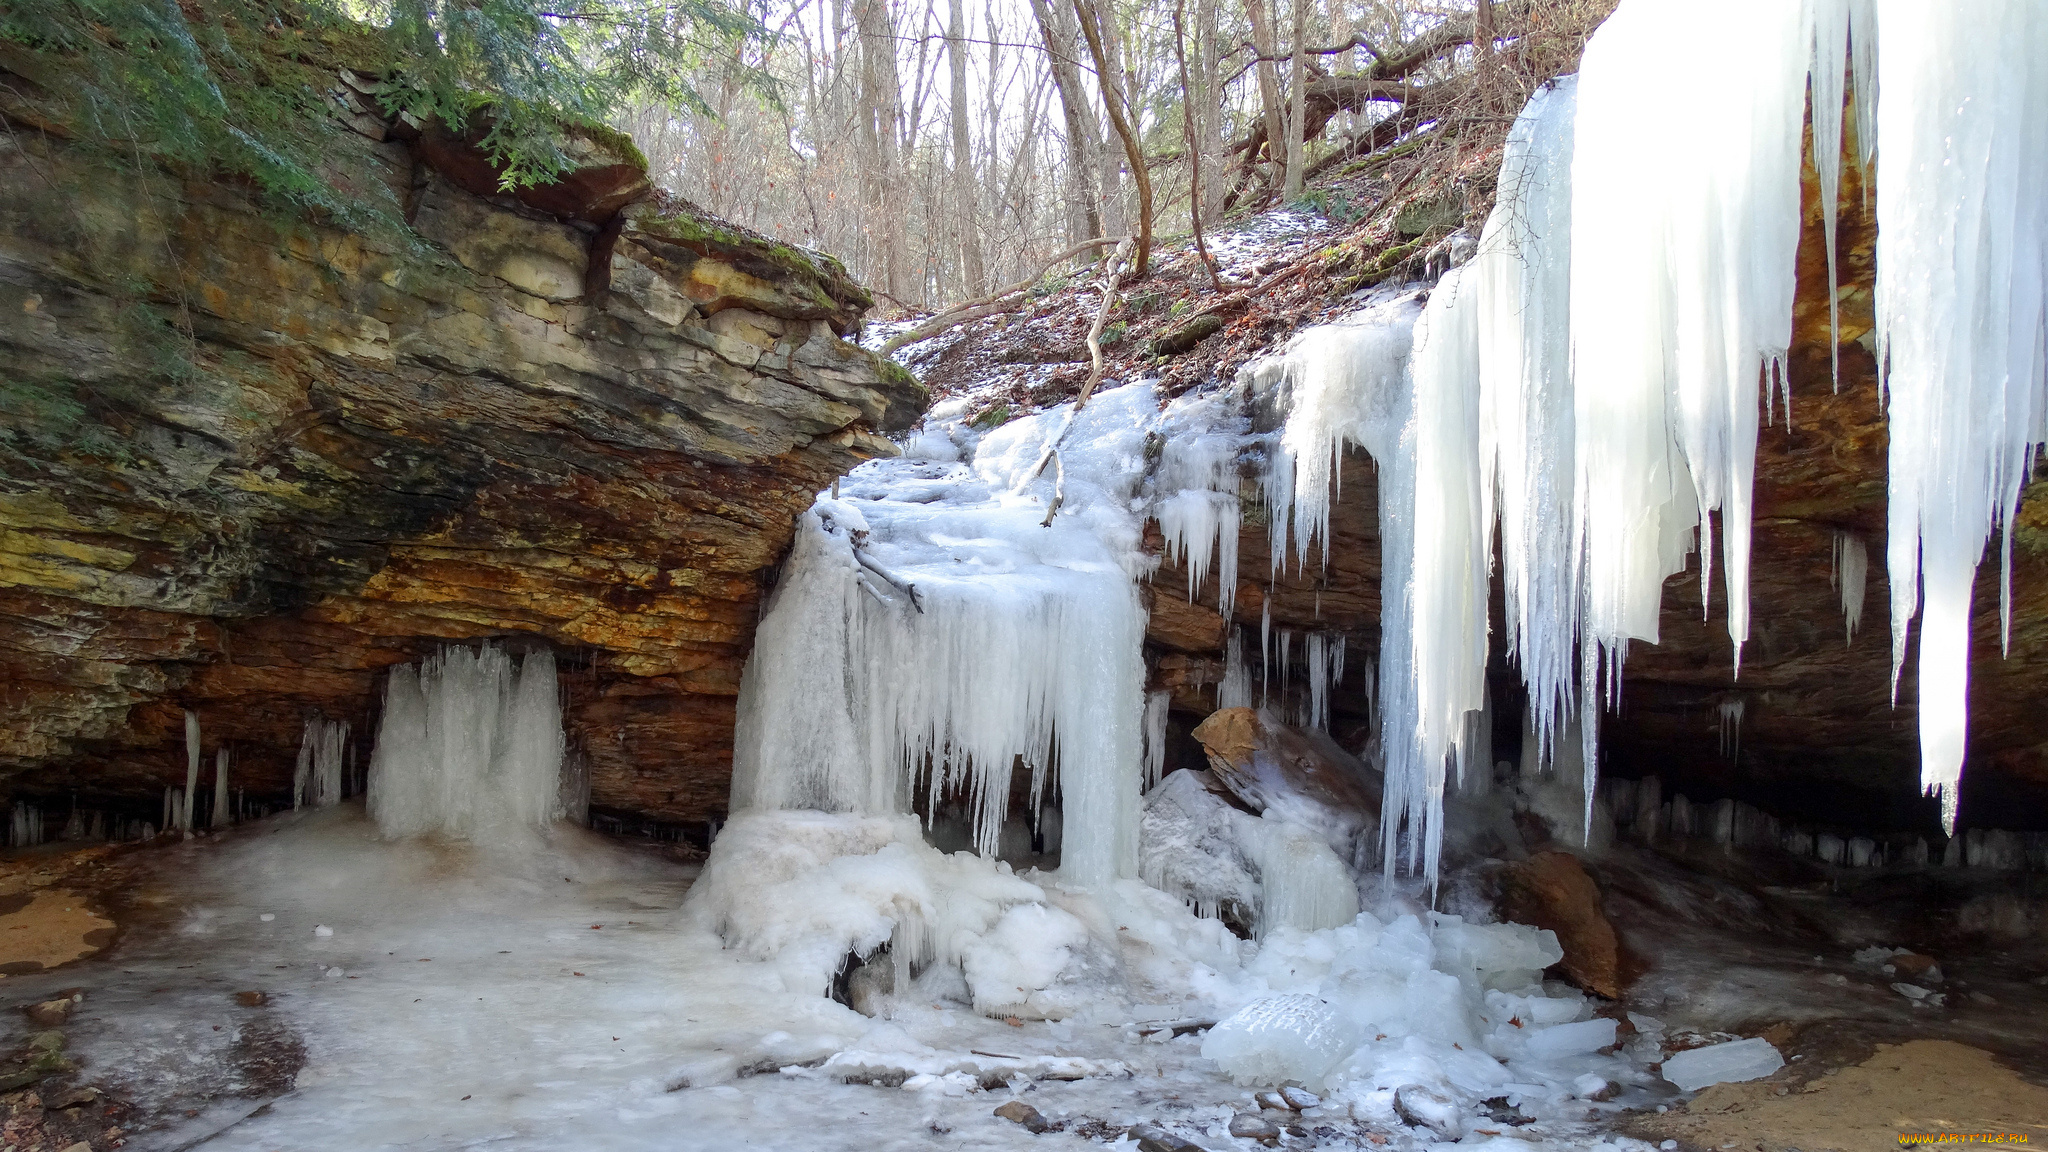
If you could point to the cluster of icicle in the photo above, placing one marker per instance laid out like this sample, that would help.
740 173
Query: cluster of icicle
181 805
324 753
1593 380
470 745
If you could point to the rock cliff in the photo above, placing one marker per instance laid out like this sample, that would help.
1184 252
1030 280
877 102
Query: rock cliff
249 460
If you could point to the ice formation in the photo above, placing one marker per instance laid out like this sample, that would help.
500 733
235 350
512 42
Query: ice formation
1962 303
1157 705
183 811
1852 575
1220 860
932 627
470 745
25 826
1362 1010
1595 379
323 750
223 810
1729 717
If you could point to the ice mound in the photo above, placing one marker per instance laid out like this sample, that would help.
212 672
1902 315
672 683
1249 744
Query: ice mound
802 891
805 890
1221 859
1368 1009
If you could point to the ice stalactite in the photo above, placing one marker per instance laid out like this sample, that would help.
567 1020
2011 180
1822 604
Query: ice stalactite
1348 384
25 828
932 623
1681 305
470 745
223 809
1962 272
1729 713
1446 656
1156 706
317 781
1197 486
1325 656
1522 277
1236 689
183 814
1303 884
1266 643
1852 578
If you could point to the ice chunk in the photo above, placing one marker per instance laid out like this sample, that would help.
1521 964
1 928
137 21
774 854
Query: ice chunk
1571 1039
1730 1063
1280 1038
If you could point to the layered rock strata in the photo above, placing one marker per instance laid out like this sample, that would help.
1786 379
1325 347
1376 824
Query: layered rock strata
248 461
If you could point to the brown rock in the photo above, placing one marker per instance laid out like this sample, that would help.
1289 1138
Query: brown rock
1018 1112
1261 762
605 174
1912 965
1551 890
49 1013
252 999
1173 622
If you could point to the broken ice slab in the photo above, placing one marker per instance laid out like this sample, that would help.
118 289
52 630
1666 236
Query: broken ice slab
1729 1063
1571 1039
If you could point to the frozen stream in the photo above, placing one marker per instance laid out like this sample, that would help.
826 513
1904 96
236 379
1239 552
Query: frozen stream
555 997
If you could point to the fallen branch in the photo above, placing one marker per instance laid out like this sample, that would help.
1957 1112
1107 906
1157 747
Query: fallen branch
894 581
989 305
1059 490
1119 266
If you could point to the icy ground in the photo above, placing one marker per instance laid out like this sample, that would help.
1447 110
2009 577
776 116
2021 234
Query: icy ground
556 997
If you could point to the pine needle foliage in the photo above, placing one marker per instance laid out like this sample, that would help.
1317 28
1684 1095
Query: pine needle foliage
241 86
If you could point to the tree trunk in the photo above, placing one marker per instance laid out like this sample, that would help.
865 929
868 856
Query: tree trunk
964 211
881 113
1296 104
1207 56
1112 102
1083 220
1269 81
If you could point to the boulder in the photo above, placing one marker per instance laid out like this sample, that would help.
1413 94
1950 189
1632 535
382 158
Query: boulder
1552 890
1267 764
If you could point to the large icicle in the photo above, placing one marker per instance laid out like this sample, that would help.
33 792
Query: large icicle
223 808
1348 383
1852 578
1522 275
1448 581
183 813
1681 294
1962 241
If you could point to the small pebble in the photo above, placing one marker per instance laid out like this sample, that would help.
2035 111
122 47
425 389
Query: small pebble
322 930
267 917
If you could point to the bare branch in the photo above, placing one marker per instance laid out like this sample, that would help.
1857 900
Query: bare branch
989 305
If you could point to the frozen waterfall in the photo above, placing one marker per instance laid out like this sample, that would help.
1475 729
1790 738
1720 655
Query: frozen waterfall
470 745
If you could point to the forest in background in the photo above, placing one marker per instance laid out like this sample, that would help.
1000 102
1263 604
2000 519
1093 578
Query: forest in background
944 147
